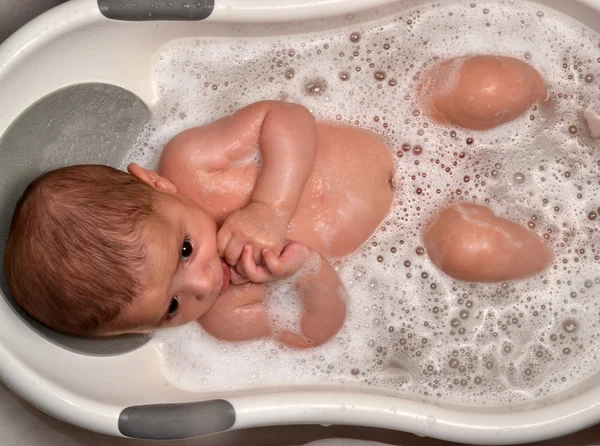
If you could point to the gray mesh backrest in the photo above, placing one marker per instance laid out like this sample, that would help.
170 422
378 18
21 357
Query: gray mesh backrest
80 124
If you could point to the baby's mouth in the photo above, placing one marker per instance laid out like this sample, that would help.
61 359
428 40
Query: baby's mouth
226 276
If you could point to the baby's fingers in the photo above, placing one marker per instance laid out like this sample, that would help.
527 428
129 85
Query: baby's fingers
275 265
253 272
233 251
223 238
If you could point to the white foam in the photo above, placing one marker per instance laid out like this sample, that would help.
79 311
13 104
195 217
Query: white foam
412 331
284 307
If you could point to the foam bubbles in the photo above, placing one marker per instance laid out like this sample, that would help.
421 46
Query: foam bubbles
518 178
411 330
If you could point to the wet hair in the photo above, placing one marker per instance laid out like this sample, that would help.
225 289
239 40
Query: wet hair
76 249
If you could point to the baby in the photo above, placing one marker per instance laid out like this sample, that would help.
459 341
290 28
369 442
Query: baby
95 251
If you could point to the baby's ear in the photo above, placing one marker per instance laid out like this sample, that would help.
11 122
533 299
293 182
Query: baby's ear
152 178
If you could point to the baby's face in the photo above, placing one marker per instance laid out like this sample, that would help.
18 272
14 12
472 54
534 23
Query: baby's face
186 274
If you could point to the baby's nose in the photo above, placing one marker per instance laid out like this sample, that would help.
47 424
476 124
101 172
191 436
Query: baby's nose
202 282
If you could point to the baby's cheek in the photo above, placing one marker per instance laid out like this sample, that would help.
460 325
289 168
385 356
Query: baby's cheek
196 308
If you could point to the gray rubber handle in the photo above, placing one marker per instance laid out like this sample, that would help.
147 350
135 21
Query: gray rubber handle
143 10
176 421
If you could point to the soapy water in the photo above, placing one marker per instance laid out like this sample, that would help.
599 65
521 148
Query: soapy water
412 331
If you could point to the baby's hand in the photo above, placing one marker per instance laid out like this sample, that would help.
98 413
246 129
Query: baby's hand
257 225
292 258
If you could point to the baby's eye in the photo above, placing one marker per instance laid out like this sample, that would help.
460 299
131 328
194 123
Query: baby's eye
186 250
173 308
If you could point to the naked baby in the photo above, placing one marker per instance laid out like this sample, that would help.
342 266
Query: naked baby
264 194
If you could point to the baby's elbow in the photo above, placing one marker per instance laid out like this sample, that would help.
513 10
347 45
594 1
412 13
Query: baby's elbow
316 328
338 315
320 328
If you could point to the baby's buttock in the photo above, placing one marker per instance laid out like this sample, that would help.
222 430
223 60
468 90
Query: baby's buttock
348 194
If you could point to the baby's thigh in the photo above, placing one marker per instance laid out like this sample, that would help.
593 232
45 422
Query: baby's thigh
239 314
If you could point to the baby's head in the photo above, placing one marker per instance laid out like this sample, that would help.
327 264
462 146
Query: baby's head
96 251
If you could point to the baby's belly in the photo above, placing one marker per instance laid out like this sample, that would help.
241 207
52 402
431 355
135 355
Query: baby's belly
348 194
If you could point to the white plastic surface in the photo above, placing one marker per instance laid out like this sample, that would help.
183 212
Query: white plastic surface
75 43
256 11
427 420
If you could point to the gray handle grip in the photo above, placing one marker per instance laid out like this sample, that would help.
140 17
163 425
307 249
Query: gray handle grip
144 10
177 421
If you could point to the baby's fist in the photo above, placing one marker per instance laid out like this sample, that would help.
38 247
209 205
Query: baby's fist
292 258
258 225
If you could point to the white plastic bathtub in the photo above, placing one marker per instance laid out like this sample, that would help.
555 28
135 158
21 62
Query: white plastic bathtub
126 394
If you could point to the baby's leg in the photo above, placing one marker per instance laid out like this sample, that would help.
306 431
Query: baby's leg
239 314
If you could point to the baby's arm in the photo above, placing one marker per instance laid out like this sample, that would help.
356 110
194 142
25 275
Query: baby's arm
323 296
316 283
285 135
286 138
240 314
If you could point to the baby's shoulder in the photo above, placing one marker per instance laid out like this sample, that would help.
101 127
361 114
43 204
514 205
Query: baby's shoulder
195 149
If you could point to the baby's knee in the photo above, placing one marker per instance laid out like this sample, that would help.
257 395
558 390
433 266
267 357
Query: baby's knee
468 242
482 92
